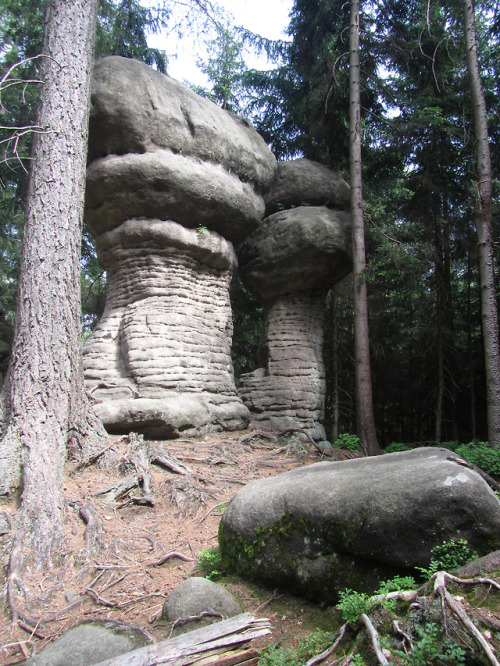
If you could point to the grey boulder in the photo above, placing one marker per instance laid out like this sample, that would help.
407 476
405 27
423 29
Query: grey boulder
90 643
195 596
331 525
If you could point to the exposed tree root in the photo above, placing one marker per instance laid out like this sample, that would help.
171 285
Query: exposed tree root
407 642
448 601
95 457
117 490
372 632
216 506
193 618
324 655
156 455
274 596
136 461
494 485
15 584
93 535
257 433
449 604
169 556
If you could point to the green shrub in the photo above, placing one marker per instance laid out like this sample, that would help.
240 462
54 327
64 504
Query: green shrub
353 604
449 555
210 562
429 648
452 445
396 447
480 454
357 660
397 584
348 442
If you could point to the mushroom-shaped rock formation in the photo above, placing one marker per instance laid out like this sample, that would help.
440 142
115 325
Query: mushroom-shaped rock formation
172 180
159 150
290 262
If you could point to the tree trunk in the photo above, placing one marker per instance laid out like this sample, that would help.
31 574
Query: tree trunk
472 396
438 414
45 411
334 431
364 402
482 217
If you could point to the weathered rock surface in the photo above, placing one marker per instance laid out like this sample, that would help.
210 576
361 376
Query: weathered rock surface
289 262
296 250
168 172
332 525
289 390
195 596
159 150
159 360
303 182
90 643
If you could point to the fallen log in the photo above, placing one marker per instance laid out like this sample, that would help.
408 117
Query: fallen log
192 647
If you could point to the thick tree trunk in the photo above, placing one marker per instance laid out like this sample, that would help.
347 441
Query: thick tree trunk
44 406
364 401
482 216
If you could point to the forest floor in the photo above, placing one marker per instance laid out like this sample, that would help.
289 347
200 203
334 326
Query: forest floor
125 581
126 550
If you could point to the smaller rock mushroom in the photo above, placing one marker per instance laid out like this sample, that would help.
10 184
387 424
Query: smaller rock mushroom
290 262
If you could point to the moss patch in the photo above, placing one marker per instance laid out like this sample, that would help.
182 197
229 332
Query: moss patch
303 559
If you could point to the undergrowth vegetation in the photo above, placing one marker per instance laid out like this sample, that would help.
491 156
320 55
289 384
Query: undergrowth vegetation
476 453
210 562
407 621
348 442
430 647
306 648
447 556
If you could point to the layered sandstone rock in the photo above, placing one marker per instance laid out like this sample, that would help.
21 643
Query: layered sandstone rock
172 180
289 263
158 150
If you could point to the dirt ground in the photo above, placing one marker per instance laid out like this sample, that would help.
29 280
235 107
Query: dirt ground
126 580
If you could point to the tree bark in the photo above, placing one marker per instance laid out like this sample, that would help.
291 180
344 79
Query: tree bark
334 366
472 396
364 401
482 218
45 412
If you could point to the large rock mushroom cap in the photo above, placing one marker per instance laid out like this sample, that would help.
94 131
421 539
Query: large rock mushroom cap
157 149
296 250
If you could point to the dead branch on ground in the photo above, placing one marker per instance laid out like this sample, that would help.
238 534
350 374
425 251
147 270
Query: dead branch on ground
224 635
